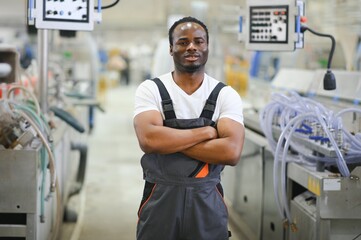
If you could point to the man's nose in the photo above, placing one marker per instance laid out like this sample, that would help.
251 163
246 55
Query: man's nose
191 46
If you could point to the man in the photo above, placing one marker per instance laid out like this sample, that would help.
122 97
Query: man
187 140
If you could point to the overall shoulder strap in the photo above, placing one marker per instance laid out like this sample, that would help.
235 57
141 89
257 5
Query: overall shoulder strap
210 105
167 103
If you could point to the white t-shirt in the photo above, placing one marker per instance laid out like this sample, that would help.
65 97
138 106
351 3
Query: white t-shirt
229 103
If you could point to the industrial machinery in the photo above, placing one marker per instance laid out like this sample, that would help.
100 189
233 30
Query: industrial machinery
317 158
279 26
299 174
42 155
38 169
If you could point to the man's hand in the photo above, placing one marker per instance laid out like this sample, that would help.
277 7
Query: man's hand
226 149
153 137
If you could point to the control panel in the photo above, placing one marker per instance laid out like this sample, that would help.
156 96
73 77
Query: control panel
77 11
269 24
64 14
272 26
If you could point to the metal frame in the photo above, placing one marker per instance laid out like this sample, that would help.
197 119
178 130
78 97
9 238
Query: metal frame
19 172
332 212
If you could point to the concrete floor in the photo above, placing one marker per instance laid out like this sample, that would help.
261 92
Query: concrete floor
114 178
109 202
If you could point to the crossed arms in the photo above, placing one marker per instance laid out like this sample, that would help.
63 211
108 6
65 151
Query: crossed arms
207 144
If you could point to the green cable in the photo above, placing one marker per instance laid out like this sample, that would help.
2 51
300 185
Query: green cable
30 110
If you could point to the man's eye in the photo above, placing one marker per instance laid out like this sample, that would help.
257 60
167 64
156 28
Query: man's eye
183 43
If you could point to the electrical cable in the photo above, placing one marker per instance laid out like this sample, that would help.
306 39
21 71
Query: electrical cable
305 28
43 160
36 102
21 110
59 213
30 112
43 157
42 187
50 154
37 121
109 6
329 80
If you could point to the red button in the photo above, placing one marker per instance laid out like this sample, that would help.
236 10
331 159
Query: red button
303 19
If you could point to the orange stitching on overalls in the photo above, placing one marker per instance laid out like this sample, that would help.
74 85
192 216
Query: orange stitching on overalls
222 198
150 195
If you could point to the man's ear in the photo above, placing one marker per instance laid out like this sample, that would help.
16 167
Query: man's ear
171 50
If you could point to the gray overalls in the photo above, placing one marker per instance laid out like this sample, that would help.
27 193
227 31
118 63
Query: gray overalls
183 197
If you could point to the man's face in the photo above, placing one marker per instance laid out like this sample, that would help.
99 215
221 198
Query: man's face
189 48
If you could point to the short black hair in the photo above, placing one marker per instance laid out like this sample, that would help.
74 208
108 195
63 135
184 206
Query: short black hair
184 20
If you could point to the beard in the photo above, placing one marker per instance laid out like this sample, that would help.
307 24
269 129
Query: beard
192 68
189 68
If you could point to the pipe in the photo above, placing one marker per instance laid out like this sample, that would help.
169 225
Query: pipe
43 68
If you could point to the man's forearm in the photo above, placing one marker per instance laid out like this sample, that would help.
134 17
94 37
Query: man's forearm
165 140
216 151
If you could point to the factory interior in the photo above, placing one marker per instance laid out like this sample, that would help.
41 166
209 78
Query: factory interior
70 159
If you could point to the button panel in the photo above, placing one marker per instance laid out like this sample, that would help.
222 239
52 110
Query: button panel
66 10
269 24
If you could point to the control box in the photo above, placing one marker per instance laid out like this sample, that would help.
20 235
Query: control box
268 24
64 14
272 26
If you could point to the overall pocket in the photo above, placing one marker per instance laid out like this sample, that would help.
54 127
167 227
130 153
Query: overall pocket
147 194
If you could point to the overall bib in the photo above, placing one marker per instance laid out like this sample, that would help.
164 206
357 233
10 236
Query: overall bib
183 197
